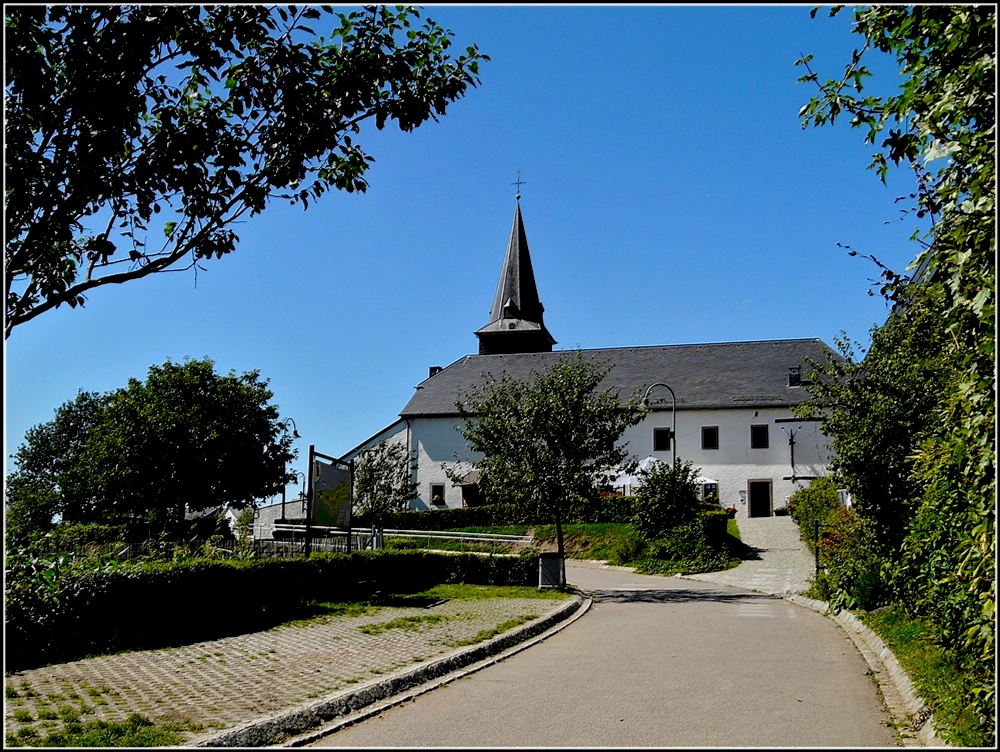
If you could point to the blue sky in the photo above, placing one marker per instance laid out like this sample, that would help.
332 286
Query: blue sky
670 196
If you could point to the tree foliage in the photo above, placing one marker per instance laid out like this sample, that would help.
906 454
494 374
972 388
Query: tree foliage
383 481
184 439
667 497
941 124
874 409
549 443
136 136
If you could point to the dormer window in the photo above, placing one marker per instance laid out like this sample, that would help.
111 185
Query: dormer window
795 376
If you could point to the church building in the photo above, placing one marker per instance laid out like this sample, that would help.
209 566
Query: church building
727 406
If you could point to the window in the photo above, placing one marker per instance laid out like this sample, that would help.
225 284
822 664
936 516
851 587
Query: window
758 437
661 439
437 493
709 437
710 492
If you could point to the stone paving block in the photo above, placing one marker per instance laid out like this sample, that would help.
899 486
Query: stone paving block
214 685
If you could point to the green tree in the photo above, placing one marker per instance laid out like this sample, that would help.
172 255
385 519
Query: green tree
666 498
550 443
942 125
383 481
127 123
876 409
50 478
186 438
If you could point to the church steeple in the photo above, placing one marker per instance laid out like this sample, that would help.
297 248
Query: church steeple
516 324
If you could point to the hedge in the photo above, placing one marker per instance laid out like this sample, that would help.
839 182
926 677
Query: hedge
609 509
164 604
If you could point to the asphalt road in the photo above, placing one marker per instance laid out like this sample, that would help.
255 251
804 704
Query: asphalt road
655 662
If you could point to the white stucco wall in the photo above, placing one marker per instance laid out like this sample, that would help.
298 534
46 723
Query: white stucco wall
735 463
437 443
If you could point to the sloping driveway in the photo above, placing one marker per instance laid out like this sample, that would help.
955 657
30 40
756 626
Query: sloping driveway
666 662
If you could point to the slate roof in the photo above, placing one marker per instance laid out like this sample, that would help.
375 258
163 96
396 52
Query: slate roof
707 376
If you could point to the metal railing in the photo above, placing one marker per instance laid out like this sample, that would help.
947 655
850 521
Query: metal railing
322 539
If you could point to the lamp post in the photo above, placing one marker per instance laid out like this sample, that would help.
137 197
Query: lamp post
295 430
673 412
302 490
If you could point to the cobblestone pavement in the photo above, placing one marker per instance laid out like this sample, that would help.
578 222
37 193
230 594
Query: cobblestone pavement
779 562
209 686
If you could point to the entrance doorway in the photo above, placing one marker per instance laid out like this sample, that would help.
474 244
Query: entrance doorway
760 498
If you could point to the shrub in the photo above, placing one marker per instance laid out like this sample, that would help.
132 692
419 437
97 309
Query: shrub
667 498
813 504
857 577
57 610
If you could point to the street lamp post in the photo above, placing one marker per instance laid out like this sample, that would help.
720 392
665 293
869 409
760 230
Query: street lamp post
295 430
302 491
673 412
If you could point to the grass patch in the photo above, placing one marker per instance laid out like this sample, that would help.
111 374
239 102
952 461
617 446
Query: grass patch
461 592
28 690
487 634
47 714
319 613
406 623
449 544
619 544
939 682
613 542
69 714
21 715
497 530
136 731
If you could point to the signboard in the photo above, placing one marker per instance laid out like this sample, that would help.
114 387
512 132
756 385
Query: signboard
331 484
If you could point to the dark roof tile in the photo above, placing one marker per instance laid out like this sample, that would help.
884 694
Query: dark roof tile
718 375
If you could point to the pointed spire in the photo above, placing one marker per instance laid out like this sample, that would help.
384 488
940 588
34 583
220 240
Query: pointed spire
517 279
516 323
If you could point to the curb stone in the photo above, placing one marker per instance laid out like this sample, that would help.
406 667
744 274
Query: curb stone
278 728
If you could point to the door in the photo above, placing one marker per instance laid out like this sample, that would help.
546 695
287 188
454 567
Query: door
760 498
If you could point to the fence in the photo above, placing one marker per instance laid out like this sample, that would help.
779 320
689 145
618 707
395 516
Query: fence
322 540
222 549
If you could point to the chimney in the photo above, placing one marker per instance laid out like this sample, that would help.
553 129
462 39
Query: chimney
434 371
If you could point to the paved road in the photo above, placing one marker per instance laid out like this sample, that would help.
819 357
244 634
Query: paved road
708 660
655 662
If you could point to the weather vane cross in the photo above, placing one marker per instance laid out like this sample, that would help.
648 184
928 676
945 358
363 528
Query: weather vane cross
518 183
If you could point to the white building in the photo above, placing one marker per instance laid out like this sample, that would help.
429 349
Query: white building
730 403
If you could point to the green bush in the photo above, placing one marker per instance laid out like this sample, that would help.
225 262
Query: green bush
667 498
71 537
813 504
600 510
696 546
58 610
854 574
857 577
611 509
